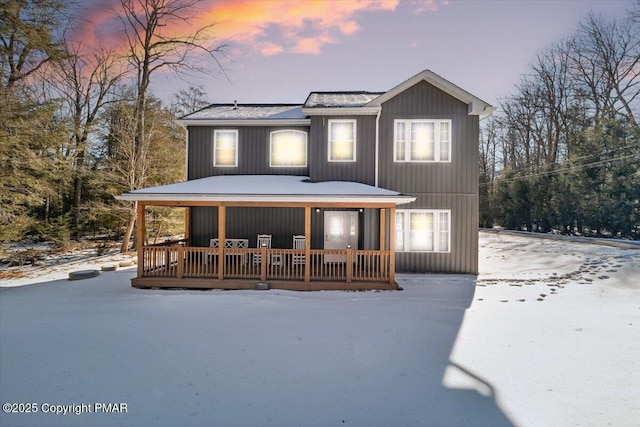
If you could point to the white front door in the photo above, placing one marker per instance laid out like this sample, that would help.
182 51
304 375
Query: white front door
340 230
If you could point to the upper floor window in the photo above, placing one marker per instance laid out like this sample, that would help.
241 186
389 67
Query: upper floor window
288 148
422 141
225 148
420 230
342 141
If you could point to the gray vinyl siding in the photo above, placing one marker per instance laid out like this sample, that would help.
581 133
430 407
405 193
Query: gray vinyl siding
362 170
204 225
447 185
463 257
452 185
424 101
253 152
281 223
247 223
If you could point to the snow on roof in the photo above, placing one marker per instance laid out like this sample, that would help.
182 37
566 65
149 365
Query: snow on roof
268 188
247 112
340 99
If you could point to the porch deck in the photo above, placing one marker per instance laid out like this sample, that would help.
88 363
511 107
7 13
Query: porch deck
177 266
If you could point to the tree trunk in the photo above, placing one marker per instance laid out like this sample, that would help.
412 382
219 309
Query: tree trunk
77 194
130 224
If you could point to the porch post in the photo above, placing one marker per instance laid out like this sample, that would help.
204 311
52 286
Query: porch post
140 232
383 228
222 226
392 245
307 244
187 224
383 233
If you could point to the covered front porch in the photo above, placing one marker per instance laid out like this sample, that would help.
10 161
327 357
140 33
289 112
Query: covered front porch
232 264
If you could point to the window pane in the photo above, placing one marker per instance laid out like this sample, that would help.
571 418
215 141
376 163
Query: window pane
421 234
445 141
341 141
422 139
400 141
225 148
288 148
443 230
399 231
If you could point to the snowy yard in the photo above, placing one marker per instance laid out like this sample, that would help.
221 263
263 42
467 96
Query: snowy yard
548 334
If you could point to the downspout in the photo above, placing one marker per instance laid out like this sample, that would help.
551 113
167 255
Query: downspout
186 149
377 154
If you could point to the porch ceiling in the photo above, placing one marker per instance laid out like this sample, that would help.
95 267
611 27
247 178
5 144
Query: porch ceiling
267 190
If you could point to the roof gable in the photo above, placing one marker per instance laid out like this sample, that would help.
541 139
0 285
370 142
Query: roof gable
476 105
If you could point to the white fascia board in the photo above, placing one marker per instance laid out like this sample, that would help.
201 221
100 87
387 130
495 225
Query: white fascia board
244 122
346 198
481 110
341 111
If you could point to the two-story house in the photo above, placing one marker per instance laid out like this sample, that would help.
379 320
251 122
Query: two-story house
337 193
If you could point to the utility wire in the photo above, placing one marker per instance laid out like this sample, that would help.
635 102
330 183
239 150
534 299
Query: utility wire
598 153
562 170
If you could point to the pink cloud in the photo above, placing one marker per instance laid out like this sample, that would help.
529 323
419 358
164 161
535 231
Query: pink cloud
268 27
312 45
270 49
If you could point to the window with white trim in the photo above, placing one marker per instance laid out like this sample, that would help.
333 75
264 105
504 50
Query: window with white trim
342 141
423 230
288 148
422 140
225 148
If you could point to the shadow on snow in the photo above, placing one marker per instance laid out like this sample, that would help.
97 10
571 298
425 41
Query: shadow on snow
240 358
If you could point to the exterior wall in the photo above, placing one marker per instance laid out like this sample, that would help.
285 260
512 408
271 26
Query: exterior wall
449 185
452 185
281 223
253 152
247 223
362 170
463 257
424 101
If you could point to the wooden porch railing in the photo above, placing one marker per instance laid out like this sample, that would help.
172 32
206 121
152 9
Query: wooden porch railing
337 265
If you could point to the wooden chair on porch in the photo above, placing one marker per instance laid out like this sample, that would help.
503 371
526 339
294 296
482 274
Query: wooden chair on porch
209 257
264 240
298 244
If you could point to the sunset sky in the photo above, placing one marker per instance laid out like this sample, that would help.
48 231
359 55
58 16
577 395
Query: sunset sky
281 50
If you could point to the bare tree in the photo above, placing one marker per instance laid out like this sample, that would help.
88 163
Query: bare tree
606 60
151 49
189 100
85 83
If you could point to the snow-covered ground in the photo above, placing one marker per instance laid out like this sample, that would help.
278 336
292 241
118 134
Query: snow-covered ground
548 334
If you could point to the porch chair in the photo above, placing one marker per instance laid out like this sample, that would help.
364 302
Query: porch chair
213 243
263 239
298 243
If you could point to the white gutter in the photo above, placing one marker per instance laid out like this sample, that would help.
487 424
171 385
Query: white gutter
244 122
377 153
340 111
487 113
186 149
346 198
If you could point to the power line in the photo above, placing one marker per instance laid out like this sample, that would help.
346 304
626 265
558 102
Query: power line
563 170
598 153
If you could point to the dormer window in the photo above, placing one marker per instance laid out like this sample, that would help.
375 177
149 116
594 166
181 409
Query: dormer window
342 141
225 148
422 141
288 149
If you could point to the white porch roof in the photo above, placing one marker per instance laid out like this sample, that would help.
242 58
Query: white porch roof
267 188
